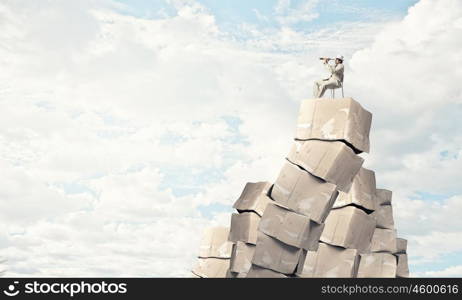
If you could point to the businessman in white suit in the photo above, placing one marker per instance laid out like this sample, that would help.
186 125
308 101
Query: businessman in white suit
334 81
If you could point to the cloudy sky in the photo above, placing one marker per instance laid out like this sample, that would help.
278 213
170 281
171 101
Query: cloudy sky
128 126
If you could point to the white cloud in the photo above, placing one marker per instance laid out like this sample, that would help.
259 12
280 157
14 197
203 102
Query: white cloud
433 228
453 271
287 15
103 128
408 80
412 87
90 136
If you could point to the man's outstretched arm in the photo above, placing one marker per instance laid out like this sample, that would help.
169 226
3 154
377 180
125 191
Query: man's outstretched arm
331 68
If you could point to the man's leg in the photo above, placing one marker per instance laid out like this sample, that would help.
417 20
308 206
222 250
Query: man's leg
329 84
316 88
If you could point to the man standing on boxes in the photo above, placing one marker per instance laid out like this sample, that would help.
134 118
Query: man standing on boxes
334 81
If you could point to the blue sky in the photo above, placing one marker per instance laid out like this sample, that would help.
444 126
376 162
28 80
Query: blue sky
157 113
232 12
261 13
229 14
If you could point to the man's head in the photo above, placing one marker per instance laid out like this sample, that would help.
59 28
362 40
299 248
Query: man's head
339 59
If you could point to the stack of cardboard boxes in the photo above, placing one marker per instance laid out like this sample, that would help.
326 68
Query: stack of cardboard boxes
328 137
347 233
386 251
323 217
402 269
250 205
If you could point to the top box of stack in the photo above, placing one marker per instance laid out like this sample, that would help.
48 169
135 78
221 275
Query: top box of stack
254 198
336 119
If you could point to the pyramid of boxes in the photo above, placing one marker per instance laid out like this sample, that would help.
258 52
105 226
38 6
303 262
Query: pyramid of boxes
322 217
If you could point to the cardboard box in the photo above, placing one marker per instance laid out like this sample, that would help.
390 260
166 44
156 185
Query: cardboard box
383 197
212 267
362 191
235 275
336 119
258 272
241 275
328 261
290 228
244 227
254 197
384 240
215 243
384 217
401 245
275 255
230 274
403 268
334 162
377 265
241 257
349 227
303 193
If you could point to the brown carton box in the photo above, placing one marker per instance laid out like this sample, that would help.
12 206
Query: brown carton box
403 268
230 274
303 193
362 192
258 272
336 119
290 228
383 197
235 275
349 227
384 240
334 162
377 265
401 245
244 227
215 243
275 255
212 267
254 197
241 257
328 261
384 216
